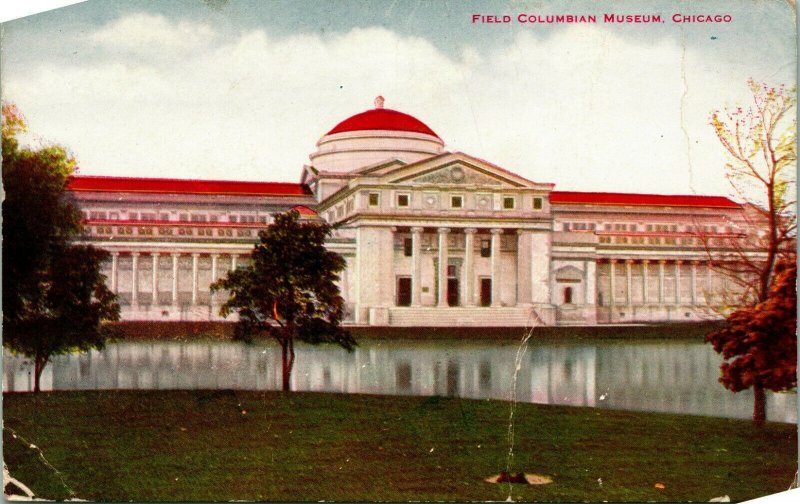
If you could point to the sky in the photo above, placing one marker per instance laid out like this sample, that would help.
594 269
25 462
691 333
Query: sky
243 90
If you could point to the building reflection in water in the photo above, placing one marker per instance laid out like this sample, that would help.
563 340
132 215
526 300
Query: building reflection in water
664 376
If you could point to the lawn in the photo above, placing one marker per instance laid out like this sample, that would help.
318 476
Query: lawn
225 445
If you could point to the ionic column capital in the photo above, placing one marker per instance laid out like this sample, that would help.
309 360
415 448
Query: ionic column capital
662 261
443 230
496 231
470 231
155 254
417 230
135 254
630 261
175 254
214 256
646 261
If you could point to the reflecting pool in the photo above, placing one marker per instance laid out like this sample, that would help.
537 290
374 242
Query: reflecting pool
666 376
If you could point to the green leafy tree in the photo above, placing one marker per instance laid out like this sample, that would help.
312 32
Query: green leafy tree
759 343
288 291
54 296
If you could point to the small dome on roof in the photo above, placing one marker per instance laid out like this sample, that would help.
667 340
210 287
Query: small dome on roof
376 135
382 119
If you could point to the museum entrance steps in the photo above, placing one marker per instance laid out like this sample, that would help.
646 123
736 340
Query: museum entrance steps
458 316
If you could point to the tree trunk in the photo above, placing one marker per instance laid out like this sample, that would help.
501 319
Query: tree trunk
759 406
38 366
287 372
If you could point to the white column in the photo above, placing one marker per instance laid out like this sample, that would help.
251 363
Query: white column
468 273
661 264
416 269
175 279
645 283
135 280
214 259
443 232
524 264
195 258
678 282
694 282
709 292
613 277
629 283
590 290
155 255
234 257
114 271
496 265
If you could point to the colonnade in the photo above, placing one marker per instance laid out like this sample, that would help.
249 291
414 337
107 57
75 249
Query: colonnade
662 266
155 258
467 277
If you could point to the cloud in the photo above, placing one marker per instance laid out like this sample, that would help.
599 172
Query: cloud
584 108
149 34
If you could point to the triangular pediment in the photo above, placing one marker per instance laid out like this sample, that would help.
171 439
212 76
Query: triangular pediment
456 169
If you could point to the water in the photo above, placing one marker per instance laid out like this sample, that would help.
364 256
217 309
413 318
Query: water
664 376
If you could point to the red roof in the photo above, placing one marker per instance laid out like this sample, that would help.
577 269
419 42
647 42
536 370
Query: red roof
182 186
304 211
632 199
382 119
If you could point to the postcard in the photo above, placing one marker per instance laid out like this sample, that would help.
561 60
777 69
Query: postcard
400 251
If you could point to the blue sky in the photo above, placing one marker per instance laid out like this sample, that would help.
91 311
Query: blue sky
243 90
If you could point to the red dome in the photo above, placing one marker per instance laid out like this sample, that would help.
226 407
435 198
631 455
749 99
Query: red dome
382 119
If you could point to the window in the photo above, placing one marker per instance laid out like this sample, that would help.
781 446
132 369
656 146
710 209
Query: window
568 295
262 219
538 203
232 218
374 199
403 200
566 226
451 270
163 217
486 248
133 216
407 247
456 201
508 202
185 217
213 218
113 216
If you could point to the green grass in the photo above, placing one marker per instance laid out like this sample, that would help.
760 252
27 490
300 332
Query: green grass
182 445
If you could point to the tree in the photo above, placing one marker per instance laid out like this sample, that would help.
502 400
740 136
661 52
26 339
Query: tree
759 343
54 296
761 142
289 289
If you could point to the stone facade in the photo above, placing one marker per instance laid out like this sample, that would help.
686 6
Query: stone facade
431 237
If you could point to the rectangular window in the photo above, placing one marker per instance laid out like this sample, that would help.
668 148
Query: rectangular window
456 201
163 217
509 202
403 200
407 247
213 218
232 218
451 270
566 226
374 199
537 203
185 217
486 248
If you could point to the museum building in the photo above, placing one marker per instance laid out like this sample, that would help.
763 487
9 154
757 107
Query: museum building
431 237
